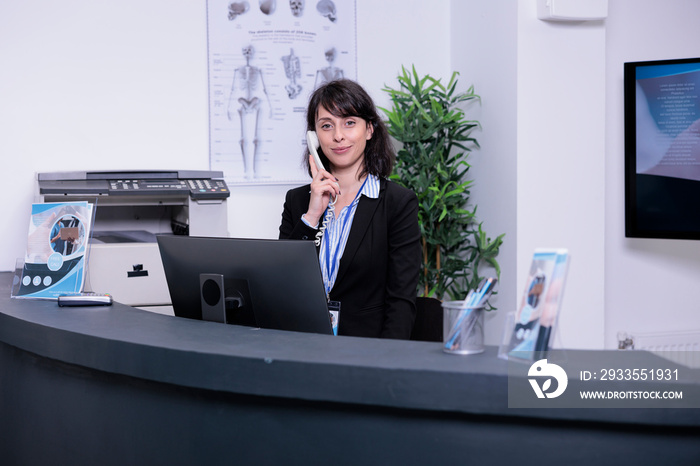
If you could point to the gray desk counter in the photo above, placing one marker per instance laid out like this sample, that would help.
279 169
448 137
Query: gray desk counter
116 385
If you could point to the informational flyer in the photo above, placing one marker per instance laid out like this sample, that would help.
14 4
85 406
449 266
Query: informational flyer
530 330
54 263
265 59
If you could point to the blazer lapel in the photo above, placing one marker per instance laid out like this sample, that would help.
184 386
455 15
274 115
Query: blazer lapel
363 218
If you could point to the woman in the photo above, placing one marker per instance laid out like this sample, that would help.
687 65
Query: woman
369 239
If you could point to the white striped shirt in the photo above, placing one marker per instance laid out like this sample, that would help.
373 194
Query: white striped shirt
335 235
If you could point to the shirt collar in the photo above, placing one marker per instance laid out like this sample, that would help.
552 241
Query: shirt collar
371 187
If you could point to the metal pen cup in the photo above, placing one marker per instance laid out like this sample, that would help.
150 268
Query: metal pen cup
463 328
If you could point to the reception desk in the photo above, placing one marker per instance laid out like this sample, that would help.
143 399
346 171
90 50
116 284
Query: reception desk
119 385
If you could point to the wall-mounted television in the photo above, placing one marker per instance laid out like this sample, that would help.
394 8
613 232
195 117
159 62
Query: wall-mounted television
662 149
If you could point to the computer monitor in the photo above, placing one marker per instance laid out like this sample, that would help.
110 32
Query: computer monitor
273 284
662 149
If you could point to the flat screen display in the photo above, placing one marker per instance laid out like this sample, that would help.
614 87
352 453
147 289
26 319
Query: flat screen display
662 149
277 281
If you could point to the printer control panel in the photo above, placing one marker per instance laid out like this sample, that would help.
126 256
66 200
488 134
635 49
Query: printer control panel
196 188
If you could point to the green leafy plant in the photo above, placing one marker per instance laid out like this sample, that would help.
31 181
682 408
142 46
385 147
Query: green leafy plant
436 139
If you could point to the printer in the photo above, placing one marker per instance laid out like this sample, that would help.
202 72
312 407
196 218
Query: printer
130 209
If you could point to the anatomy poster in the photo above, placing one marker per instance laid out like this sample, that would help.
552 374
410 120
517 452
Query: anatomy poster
265 59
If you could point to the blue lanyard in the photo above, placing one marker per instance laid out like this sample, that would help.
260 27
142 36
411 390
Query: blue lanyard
333 252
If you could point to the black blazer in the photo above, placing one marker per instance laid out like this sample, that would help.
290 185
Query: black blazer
378 273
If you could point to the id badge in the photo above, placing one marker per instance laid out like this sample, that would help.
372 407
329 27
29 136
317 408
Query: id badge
334 310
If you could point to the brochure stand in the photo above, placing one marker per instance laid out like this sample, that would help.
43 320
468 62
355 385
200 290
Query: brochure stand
528 331
57 247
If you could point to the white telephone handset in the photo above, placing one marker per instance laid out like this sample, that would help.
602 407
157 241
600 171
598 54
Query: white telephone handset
313 143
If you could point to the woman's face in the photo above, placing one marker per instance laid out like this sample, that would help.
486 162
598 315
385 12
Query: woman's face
343 139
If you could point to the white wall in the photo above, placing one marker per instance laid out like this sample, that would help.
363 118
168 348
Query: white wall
97 86
561 162
651 284
123 86
540 170
484 39
565 145
567 141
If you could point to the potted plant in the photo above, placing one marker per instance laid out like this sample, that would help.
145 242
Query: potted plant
436 139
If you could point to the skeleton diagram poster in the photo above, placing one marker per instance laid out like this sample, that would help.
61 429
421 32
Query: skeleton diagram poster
265 59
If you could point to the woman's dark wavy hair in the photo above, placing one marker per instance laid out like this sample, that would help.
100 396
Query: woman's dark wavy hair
345 98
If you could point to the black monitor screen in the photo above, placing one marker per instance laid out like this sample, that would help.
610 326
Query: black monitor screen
662 149
265 283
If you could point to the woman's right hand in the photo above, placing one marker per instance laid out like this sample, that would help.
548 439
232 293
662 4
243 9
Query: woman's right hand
323 187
